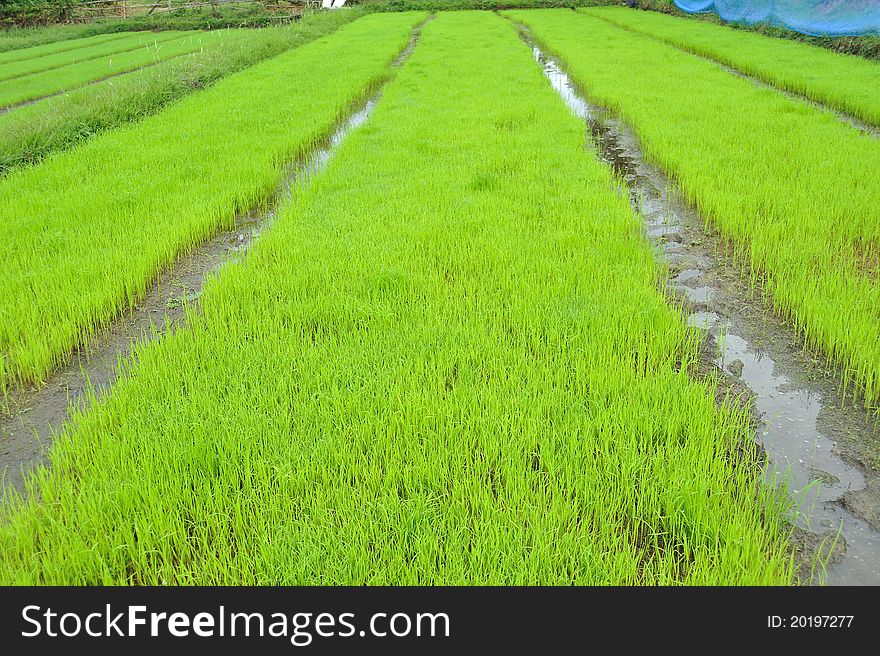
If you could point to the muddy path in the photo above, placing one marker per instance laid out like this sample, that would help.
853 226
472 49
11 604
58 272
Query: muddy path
31 416
849 119
825 448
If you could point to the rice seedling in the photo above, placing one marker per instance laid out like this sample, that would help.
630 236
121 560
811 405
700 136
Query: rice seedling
66 58
156 49
88 229
791 187
448 361
847 83
33 131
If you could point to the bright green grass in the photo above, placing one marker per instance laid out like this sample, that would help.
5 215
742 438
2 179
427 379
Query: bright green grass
448 361
158 48
87 230
56 47
68 57
791 186
34 131
848 83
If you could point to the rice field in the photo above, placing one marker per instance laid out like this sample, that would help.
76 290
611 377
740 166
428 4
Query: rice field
144 51
69 57
40 128
842 82
122 211
450 355
67 45
793 188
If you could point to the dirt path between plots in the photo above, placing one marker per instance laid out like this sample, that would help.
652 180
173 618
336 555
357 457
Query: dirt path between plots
33 415
824 447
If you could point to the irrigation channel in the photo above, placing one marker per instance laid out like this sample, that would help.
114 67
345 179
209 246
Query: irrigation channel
34 415
811 436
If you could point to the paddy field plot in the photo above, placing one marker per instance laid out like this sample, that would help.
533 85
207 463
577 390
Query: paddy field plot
19 54
68 57
791 187
846 83
35 130
447 361
150 50
450 356
125 204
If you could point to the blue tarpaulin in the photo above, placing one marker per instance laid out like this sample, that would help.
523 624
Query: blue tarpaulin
816 17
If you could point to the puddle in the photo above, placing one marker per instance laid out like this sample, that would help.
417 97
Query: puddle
805 427
688 274
699 295
33 415
703 319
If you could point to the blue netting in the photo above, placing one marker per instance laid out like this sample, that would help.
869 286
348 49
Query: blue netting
816 17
